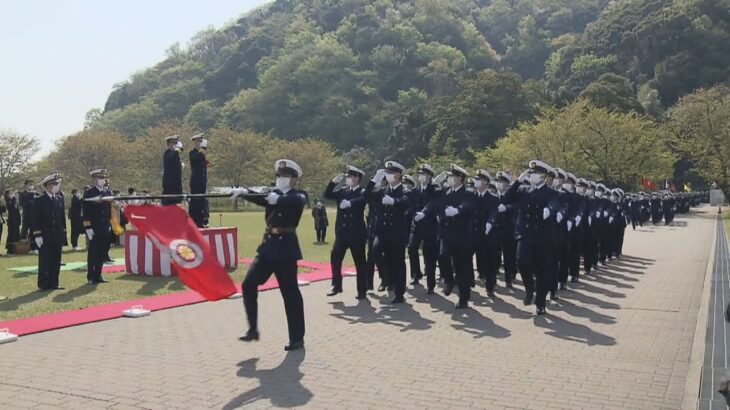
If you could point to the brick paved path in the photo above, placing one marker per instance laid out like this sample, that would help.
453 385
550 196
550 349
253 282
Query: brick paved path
619 340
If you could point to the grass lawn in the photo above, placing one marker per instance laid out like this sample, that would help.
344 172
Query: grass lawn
23 299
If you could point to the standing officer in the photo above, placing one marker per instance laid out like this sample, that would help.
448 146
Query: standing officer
278 253
392 224
577 188
350 230
536 233
424 230
602 216
74 215
504 227
172 171
455 214
25 200
564 226
485 237
49 232
374 248
199 211
97 216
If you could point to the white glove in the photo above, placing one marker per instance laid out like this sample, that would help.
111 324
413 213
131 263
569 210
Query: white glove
590 221
238 192
388 200
204 144
523 176
272 198
440 178
605 214
577 220
451 211
182 164
545 213
489 228
559 217
598 214
570 225
419 216
178 145
90 233
379 176
345 204
338 179
610 220
39 241
502 208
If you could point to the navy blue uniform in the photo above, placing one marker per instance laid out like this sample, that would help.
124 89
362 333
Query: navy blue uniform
77 223
590 235
391 232
96 216
486 246
668 210
577 234
504 229
456 241
13 221
350 233
199 211
656 210
424 233
25 200
49 223
278 254
171 176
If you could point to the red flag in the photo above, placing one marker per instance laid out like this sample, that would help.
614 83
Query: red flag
170 228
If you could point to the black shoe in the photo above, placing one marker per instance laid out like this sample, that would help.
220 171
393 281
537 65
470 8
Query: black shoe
396 300
554 295
414 282
462 305
382 288
250 335
563 286
448 288
294 345
509 285
102 280
574 279
361 296
541 311
334 291
58 288
527 300
430 291
91 282
490 294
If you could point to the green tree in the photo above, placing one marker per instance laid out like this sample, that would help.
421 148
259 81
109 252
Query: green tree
203 114
612 92
16 152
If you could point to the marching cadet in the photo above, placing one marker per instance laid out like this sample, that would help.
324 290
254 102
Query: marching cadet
74 216
350 230
504 228
455 214
25 200
392 205
49 231
562 250
602 222
591 233
535 232
172 171
278 253
96 216
199 211
424 230
635 210
668 208
656 208
374 248
618 223
576 232
485 238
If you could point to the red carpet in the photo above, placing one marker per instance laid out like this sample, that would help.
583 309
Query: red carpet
53 321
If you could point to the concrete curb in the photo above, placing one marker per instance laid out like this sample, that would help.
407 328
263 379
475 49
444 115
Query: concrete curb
690 398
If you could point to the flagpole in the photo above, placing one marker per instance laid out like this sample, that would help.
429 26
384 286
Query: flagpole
168 196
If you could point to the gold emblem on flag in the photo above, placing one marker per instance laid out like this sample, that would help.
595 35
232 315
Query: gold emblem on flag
186 254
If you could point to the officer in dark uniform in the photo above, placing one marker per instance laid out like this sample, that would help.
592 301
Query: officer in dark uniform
504 228
561 233
565 186
172 171
424 230
656 208
25 200
97 223
199 211
668 208
485 237
591 233
374 248
617 220
602 210
74 216
392 224
536 232
455 212
49 232
350 229
576 221
278 253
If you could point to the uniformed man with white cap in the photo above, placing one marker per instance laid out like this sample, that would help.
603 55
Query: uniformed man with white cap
591 230
350 230
504 228
198 210
172 171
278 253
485 239
48 231
392 223
424 230
97 223
577 218
604 206
455 214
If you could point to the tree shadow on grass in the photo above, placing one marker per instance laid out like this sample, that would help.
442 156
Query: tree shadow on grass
282 385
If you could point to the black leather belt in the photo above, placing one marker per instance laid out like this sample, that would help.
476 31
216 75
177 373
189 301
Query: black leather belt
279 231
